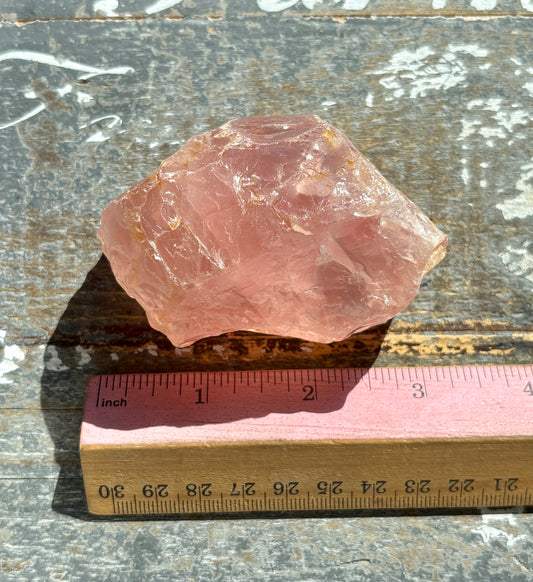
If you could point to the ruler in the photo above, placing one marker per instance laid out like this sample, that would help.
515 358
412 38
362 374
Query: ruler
308 440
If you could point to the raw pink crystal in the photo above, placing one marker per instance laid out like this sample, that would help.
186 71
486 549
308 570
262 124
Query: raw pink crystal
271 224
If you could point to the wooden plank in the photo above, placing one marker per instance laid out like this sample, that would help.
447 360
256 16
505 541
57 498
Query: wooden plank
447 124
27 10
138 9
54 376
41 545
389 7
36 445
106 132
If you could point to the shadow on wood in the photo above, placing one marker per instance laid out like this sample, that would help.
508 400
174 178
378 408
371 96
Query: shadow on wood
104 331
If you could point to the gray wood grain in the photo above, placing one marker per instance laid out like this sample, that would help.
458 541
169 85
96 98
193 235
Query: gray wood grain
448 122
443 107
493 547
28 10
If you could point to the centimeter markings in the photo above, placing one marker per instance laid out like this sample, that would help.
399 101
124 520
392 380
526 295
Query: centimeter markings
224 504
335 495
305 440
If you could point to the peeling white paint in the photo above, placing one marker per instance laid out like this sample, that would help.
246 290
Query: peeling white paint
438 4
49 59
10 356
113 120
276 5
106 7
529 87
279 5
527 5
491 104
84 98
13 352
220 349
509 119
355 4
490 132
85 356
498 516
484 4
416 73
150 347
62 91
520 206
465 172
470 127
97 137
161 5
502 124
25 116
369 100
490 532
471 49
519 260
183 351
65 90
465 175
52 361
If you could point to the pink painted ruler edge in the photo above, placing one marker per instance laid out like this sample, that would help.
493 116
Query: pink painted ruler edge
479 402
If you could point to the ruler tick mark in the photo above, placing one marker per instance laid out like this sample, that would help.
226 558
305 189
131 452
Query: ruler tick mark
505 376
425 393
496 388
98 392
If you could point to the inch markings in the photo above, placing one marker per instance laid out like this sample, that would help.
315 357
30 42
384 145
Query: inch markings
308 440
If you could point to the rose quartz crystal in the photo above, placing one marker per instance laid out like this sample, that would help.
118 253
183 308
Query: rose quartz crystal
271 224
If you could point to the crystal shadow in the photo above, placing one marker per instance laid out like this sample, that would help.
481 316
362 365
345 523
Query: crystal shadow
104 331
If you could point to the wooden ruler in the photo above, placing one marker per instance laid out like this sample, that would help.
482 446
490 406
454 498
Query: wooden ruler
306 440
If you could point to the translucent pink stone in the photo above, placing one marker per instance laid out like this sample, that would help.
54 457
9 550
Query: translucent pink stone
271 224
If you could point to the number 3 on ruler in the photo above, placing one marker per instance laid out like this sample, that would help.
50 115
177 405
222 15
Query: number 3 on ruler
419 390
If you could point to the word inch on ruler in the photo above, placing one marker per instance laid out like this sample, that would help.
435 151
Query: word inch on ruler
307 440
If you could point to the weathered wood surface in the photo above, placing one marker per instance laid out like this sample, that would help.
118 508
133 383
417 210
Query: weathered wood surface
27 10
443 107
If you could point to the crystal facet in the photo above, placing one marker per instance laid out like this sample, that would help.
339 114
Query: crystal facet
272 224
